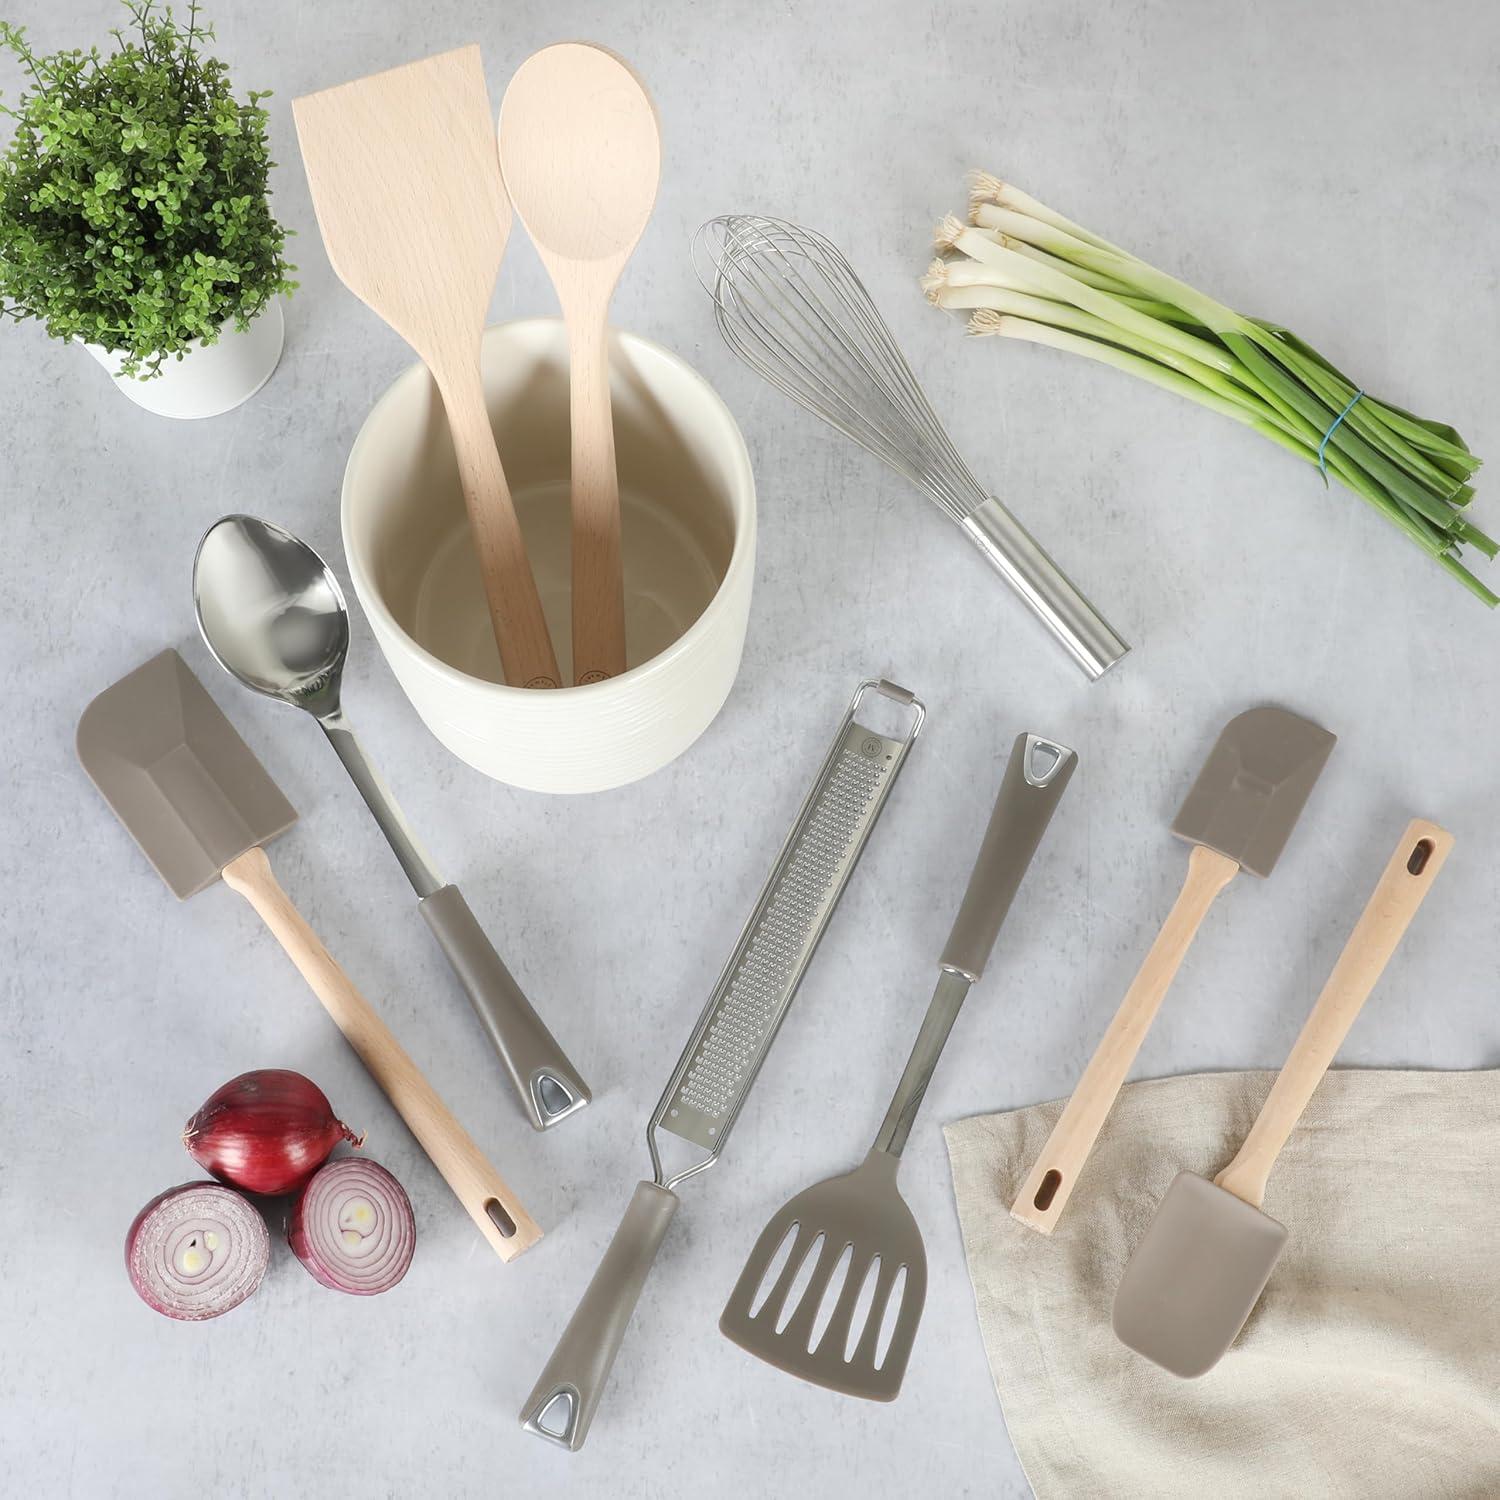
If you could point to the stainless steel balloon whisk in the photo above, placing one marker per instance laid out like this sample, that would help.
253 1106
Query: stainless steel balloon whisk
790 305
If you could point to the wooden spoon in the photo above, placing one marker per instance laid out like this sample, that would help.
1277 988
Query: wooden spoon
414 216
580 151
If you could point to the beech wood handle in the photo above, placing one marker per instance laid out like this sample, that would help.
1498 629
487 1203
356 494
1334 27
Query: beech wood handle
1046 1191
477 1185
510 589
598 572
1403 886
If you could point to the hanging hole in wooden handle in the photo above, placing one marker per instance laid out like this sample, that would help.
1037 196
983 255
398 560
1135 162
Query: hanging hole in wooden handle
1047 1191
1419 857
502 1220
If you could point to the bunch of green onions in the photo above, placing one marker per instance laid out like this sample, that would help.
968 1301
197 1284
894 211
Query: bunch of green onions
1026 272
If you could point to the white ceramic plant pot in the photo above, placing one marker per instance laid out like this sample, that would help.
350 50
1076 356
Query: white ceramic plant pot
688 529
209 379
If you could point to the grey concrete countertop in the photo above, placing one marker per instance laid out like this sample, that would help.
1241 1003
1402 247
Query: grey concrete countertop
1334 166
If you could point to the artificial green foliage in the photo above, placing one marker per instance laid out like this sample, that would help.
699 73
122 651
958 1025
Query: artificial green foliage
133 209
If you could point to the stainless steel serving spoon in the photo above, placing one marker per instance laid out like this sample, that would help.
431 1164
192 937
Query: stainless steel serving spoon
274 616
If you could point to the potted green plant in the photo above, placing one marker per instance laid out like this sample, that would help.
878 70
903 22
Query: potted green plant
134 215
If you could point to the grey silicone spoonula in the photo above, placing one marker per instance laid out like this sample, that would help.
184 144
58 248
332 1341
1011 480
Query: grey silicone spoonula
274 616
853 1333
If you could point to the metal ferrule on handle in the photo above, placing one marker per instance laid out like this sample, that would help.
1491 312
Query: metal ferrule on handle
1052 596
1036 776
563 1402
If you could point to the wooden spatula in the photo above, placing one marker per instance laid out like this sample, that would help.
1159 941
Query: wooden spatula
581 155
414 216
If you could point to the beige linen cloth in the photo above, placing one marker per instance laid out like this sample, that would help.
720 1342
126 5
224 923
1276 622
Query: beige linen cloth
1371 1367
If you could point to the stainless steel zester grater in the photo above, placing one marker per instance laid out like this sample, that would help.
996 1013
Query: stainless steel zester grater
708 1087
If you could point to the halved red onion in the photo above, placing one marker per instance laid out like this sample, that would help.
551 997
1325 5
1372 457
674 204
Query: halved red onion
196 1251
353 1227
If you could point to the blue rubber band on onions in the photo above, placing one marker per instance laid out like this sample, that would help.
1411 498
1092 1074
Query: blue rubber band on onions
353 1227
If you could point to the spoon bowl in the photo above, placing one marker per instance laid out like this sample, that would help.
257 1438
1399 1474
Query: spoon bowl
580 151
271 612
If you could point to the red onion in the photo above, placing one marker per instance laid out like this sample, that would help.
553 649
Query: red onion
196 1251
266 1132
353 1227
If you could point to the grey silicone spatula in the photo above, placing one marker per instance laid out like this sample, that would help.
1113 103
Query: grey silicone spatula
405 181
1204 1260
192 794
853 1332
274 617
1238 816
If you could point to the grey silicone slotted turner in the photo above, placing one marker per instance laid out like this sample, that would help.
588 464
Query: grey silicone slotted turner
860 1221
1209 1251
708 1087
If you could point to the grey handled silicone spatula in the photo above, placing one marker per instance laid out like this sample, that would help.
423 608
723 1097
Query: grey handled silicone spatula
192 794
274 617
1238 816
859 1223
1206 1257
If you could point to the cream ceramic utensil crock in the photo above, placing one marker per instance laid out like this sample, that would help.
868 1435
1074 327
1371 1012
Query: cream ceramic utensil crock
688 500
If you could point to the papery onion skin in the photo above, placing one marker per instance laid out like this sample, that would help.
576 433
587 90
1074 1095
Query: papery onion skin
163 1252
266 1131
385 1238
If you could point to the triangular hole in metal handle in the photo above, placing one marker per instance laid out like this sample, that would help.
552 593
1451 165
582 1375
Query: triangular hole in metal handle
1043 760
556 1419
553 1096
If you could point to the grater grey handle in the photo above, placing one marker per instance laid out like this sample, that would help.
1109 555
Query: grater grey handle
1035 777
549 1086
1053 597
563 1402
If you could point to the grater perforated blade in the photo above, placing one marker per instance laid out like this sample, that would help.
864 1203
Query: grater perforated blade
707 1088
754 992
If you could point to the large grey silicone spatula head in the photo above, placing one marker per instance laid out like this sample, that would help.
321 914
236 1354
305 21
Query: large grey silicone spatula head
187 788
1203 1262
1238 816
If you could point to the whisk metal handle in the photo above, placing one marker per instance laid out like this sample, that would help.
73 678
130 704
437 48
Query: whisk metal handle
1023 563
